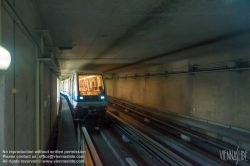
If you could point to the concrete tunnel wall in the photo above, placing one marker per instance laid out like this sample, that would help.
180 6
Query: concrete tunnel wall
20 113
221 97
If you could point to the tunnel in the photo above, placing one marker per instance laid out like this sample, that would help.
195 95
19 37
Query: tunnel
177 67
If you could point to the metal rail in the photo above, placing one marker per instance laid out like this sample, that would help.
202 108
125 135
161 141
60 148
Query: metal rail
113 99
91 157
155 150
179 131
178 128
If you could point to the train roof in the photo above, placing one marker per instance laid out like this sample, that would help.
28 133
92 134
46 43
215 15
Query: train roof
84 72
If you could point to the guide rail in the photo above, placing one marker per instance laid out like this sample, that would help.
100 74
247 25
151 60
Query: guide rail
159 153
208 149
85 143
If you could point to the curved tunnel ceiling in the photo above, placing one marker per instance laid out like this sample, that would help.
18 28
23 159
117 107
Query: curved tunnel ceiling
113 34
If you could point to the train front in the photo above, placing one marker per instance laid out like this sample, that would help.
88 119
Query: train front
92 99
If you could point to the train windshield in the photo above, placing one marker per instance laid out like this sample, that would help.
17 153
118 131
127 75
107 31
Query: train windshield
90 85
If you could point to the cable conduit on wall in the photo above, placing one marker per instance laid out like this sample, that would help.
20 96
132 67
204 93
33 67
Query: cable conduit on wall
192 69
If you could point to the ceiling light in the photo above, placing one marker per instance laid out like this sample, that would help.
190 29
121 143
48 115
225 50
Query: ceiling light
5 58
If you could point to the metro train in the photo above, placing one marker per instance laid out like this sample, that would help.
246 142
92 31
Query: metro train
86 93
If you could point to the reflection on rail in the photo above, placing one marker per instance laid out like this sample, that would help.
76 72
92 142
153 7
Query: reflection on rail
202 149
161 155
91 157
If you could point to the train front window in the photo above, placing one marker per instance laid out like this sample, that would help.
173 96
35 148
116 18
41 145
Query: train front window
90 85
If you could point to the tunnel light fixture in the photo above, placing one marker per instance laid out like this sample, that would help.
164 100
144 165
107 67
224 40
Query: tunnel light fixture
102 97
5 58
81 97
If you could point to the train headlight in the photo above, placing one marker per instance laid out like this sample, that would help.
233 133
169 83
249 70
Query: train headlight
102 97
81 97
5 58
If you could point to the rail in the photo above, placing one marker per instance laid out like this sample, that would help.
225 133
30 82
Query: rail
211 145
116 100
91 157
159 153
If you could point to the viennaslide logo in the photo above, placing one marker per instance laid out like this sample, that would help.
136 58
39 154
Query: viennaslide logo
233 155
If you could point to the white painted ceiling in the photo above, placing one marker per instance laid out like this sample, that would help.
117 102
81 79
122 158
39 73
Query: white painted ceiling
107 35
